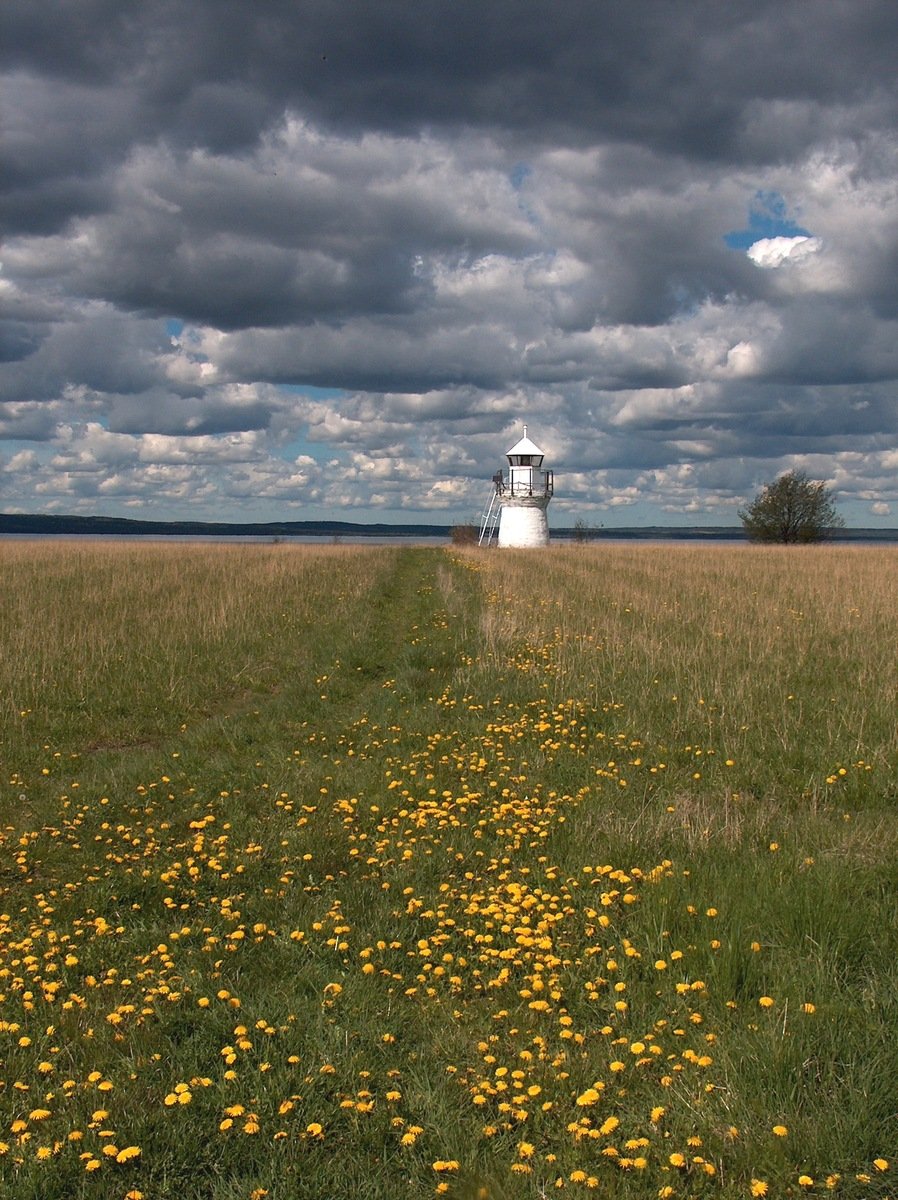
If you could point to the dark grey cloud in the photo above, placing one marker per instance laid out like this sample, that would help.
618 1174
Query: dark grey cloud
740 82
649 71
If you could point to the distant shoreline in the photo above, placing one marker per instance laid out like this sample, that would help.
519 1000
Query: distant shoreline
48 525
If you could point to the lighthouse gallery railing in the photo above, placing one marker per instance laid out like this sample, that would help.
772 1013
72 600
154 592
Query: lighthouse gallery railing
541 483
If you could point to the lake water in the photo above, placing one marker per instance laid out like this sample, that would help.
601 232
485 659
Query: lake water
247 539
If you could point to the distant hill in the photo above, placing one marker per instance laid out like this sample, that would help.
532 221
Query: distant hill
41 524
37 523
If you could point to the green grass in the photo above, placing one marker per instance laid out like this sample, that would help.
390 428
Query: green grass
396 842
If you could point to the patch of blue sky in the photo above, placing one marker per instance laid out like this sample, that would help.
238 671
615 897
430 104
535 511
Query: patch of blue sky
174 327
43 449
299 447
519 175
768 217
314 393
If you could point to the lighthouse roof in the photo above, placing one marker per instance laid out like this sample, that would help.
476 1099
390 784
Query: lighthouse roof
526 446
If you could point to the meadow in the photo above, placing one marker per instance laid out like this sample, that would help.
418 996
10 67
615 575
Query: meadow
378 872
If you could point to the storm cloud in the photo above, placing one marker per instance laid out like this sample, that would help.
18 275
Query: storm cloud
292 260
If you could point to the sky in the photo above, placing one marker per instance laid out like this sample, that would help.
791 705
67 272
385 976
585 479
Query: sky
300 259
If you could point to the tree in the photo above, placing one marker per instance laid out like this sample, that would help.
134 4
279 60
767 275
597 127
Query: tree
791 509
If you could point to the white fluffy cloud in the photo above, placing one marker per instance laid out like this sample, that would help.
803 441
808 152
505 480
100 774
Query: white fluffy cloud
773 252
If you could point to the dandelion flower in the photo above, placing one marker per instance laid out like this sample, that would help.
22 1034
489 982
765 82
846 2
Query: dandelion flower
758 1187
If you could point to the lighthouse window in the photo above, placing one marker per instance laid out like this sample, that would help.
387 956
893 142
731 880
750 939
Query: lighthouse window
525 460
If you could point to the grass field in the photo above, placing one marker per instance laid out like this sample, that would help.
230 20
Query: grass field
378 872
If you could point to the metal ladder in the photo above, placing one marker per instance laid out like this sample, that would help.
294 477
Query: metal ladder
489 521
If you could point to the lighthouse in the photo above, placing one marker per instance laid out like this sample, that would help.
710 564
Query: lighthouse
519 499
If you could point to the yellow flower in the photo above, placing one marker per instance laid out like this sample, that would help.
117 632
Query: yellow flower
881 1164
766 1002
758 1187
128 1154
780 1130
805 1181
445 1165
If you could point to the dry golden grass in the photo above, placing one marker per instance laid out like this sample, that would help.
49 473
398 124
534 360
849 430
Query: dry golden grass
125 637
783 656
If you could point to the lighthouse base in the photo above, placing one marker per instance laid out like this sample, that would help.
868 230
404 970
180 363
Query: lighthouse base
523 523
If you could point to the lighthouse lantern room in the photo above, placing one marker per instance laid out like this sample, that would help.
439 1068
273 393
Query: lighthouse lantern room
519 499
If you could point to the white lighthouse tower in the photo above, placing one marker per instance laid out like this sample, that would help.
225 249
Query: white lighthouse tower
520 498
